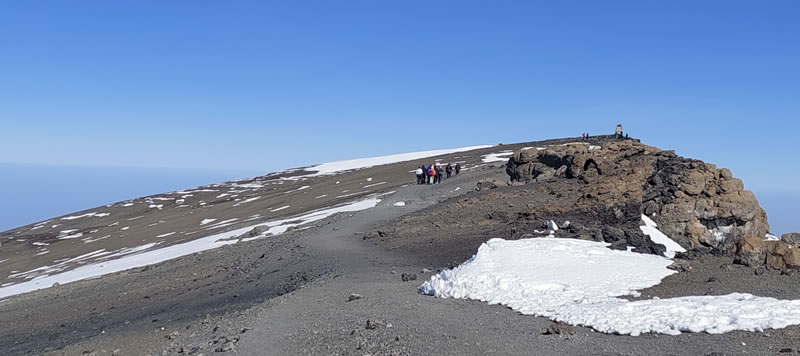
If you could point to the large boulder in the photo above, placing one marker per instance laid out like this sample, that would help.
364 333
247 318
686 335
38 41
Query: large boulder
489 183
757 252
793 239
693 202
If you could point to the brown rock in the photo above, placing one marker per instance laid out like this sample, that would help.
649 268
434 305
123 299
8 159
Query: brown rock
751 252
792 258
779 248
489 183
776 262
793 239
693 202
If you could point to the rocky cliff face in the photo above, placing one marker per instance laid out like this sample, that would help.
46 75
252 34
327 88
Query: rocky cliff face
693 202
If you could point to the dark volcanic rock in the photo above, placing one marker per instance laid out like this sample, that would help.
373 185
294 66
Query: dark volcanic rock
407 277
693 202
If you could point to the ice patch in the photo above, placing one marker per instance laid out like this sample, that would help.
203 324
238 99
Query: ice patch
771 237
400 203
374 185
246 201
165 235
156 206
650 229
90 240
579 282
222 224
281 208
68 234
87 215
206 221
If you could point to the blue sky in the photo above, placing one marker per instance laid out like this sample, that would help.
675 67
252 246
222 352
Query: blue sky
262 85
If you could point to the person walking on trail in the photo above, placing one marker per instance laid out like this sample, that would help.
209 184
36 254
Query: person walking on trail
458 168
439 174
420 175
432 174
618 132
448 170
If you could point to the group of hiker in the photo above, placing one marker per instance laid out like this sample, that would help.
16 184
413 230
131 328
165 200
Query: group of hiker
434 173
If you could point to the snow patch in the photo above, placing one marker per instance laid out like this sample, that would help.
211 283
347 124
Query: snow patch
579 282
123 259
400 203
281 208
501 156
650 229
87 215
246 201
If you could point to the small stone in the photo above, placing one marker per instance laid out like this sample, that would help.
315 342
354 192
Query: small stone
760 271
425 270
559 329
786 350
353 297
374 324
787 272
408 277
680 266
711 280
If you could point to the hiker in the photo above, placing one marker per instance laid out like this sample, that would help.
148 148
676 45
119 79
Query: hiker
448 170
618 132
432 174
458 168
439 174
420 175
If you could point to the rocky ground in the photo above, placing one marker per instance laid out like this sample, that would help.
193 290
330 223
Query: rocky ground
348 285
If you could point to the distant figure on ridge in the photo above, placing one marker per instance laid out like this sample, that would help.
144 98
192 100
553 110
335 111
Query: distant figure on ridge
618 132
420 175
432 174
458 168
439 174
448 170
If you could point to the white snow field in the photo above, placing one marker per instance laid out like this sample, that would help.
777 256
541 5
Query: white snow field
580 282
144 255
341 166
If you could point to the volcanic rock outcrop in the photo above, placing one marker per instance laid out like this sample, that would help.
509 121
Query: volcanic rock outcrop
693 202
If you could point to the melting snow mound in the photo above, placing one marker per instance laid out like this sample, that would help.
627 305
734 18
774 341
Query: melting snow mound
580 282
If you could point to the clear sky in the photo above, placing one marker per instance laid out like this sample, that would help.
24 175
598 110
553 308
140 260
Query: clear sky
264 85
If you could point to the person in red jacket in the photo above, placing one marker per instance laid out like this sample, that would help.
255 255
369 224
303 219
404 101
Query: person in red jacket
432 174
